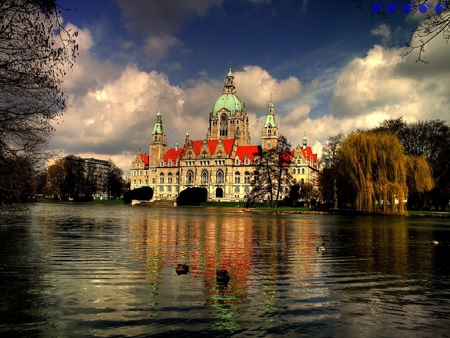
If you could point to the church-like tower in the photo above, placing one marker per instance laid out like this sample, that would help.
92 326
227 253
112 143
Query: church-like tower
228 118
158 142
269 137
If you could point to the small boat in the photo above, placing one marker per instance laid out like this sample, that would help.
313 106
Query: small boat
434 242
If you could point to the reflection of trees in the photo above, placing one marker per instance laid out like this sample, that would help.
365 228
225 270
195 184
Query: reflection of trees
21 281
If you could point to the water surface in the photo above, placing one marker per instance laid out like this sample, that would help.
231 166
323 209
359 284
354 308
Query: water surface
109 271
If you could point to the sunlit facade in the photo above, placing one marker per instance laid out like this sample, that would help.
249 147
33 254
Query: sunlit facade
223 162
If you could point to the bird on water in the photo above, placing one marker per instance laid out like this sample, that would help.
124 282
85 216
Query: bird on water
321 248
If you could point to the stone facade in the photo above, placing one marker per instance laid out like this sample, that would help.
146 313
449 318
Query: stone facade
223 162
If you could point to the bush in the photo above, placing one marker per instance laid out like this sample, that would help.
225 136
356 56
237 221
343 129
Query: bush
192 196
143 194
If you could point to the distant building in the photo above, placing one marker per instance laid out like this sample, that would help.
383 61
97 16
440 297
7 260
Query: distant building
223 162
98 171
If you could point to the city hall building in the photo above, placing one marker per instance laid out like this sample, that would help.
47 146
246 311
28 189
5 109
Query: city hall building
223 162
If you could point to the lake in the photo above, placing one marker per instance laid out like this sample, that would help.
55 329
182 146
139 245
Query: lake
110 271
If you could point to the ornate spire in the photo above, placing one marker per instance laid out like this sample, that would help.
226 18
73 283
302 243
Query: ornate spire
158 128
229 87
270 118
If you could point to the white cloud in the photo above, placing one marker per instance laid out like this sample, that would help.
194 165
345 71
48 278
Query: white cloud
255 85
384 31
384 83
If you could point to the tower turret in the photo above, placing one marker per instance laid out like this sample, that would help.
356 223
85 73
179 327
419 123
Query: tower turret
158 142
269 137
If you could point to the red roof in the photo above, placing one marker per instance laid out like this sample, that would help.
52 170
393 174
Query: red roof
173 154
309 156
144 158
212 145
228 145
248 151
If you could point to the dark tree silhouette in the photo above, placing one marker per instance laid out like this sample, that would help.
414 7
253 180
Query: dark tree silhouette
33 62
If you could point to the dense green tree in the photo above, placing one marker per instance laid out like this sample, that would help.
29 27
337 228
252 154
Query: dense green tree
142 194
192 196
429 139
115 181
33 62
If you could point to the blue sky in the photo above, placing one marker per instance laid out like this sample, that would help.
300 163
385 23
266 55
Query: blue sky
329 66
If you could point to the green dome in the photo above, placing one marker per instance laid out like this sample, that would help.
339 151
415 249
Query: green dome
228 101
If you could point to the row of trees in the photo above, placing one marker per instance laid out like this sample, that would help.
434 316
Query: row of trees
72 177
378 170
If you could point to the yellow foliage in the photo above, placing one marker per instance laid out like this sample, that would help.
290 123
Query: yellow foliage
376 167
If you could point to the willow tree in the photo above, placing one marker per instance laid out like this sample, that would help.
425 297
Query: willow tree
419 179
376 168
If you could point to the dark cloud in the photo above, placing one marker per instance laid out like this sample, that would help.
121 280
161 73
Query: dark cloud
158 17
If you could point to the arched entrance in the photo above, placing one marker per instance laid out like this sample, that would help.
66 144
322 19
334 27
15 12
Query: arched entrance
219 193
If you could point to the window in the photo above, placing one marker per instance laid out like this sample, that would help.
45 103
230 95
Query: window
247 160
223 125
237 177
161 178
246 190
303 170
219 176
247 177
204 177
269 130
169 178
190 177
153 180
236 189
236 161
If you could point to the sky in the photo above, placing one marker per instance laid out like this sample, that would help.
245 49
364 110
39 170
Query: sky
327 66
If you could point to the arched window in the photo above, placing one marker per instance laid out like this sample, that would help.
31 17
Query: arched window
237 177
236 189
190 177
247 160
219 176
237 161
169 178
154 180
204 177
269 130
223 125
247 177
303 170
246 190
161 178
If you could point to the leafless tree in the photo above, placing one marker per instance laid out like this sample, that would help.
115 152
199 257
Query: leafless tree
436 22
272 174
35 53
